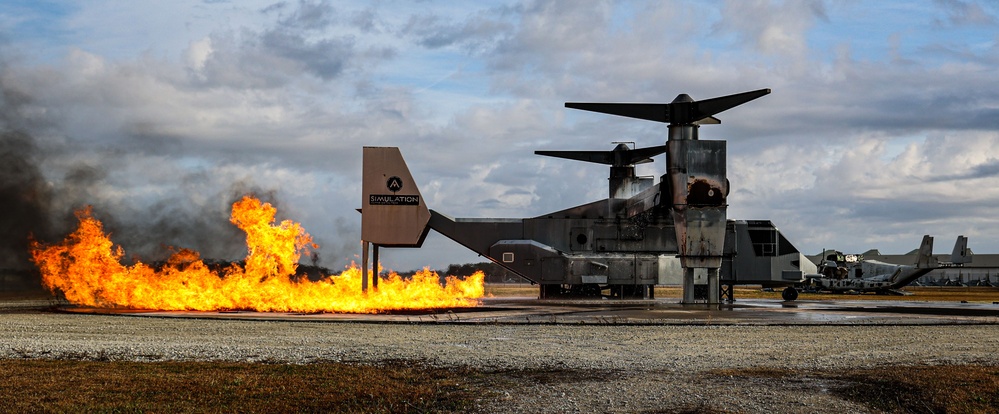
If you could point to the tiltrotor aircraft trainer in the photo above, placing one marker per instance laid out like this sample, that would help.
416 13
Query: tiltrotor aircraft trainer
644 234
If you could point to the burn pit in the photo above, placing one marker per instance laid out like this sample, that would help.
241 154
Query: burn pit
87 270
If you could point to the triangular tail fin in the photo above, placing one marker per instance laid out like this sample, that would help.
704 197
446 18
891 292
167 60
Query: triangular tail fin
924 258
393 213
961 254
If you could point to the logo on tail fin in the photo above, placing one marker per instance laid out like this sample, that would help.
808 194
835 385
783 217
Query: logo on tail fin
394 184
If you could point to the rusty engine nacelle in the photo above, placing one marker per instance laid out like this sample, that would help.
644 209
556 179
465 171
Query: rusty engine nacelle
699 188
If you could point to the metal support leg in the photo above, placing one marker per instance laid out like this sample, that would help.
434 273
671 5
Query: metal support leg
364 266
688 286
728 293
714 288
374 267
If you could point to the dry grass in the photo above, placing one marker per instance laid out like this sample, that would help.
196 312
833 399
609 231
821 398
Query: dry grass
913 389
935 294
400 387
938 389
503 290
106 386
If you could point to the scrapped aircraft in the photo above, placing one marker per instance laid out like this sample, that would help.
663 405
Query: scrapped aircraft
644 234
845 273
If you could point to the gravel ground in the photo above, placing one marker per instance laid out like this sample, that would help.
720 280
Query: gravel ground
586 368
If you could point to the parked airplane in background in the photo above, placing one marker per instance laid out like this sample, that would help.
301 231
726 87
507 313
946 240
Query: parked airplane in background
841 273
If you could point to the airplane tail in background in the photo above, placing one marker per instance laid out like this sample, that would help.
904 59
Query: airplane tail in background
961 254
393 213
925 258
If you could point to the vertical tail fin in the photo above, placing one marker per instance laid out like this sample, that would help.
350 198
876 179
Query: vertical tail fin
925 258
961 254
393 213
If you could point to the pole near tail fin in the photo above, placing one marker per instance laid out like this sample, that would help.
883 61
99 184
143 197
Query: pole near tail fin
925 258
961 254
393 212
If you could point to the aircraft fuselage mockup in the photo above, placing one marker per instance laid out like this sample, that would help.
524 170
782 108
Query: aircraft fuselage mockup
646 233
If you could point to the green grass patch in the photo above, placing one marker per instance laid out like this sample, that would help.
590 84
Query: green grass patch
125 387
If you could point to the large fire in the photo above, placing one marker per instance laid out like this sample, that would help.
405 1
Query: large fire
86 267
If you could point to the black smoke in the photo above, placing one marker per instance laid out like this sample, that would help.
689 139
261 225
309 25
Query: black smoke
25 196
44 180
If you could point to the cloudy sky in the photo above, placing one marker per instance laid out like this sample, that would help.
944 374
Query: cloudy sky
883 123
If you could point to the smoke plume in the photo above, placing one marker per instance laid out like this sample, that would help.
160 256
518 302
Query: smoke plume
24 194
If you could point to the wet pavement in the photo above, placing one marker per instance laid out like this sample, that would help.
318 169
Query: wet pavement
638 312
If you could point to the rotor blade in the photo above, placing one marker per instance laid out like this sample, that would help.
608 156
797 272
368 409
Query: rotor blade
713 106
700 112
639 155
599 157
649 111
616 158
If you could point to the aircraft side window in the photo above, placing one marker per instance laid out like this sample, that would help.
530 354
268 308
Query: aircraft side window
507 257
764 242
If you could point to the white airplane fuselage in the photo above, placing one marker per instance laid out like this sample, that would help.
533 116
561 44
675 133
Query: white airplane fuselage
841 273
868 276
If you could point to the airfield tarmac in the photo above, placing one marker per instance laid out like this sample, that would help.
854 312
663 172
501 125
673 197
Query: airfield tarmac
523 310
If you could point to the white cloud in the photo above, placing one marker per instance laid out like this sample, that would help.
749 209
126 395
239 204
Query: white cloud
965 13
850 148
772 27
197 54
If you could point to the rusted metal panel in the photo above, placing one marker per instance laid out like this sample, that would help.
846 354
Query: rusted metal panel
696 172
702 236
699 189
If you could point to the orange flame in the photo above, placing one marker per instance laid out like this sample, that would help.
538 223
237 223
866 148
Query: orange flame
86 267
